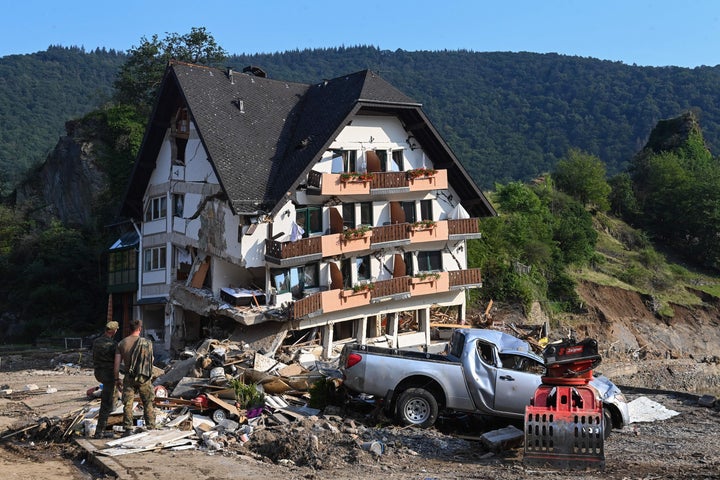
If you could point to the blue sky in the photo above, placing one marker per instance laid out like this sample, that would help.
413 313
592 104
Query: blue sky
643 32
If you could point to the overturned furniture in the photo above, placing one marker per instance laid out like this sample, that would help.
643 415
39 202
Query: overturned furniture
564 421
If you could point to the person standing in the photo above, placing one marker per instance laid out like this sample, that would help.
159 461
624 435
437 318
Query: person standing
103 351
136 353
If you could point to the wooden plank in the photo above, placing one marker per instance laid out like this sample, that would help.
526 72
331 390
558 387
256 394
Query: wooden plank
199 277
232 409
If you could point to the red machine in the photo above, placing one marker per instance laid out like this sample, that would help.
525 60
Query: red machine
564 421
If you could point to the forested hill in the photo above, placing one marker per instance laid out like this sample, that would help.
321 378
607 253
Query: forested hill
39 93
510 116
507 116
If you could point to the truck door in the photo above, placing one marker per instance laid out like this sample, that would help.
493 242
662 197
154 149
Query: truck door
516 382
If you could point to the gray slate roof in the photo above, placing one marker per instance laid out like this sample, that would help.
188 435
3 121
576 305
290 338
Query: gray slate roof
263 135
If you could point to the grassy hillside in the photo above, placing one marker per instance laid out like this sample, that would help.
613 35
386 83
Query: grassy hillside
625 258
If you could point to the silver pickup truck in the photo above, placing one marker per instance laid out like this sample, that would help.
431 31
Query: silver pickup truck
482 371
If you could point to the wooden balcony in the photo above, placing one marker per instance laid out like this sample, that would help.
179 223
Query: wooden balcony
378 183
288 254
393 289
387 236
393 235
463 229
465 278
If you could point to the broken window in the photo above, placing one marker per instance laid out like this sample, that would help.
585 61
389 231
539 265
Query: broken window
357 268
398 161
155 258
178 204
295 279
181 133
156 209
363 267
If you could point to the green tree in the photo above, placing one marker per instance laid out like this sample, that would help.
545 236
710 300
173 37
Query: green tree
142 73
582 176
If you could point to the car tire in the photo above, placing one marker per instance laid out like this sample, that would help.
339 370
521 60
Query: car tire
219 415
418 407
607 422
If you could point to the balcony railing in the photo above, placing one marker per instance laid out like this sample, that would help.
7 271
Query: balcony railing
314 248
397 234
393 288
464 278
378 183
463 229
280 252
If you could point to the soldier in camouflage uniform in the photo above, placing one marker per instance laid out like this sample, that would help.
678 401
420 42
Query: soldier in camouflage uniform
103 350
136 353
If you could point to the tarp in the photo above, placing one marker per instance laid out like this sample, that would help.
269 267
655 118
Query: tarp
458 213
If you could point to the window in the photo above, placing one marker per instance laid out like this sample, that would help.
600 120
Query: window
155 258
409 263
182 123
409 209
156 209
348 215
429 261
349 159
366 214
426 211
361 266
295 279
486 352
309 219
521 364
181 133
122 267
180 147
383 156
398 161
178 204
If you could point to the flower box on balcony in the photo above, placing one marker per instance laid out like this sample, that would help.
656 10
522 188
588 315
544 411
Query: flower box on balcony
425 277
355 177
423 225
420 172
356 233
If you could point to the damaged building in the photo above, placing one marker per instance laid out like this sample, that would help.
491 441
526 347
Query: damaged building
333 211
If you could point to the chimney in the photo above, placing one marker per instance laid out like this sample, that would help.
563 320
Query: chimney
230 75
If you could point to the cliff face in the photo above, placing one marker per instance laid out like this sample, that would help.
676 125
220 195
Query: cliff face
66 187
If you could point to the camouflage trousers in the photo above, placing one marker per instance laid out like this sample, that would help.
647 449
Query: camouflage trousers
144 388
108 396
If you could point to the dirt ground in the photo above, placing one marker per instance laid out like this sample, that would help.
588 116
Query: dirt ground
669 362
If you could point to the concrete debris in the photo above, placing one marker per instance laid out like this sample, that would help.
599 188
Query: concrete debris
643 409
503 439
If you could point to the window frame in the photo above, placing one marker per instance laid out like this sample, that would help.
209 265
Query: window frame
156 208
425 261
155 258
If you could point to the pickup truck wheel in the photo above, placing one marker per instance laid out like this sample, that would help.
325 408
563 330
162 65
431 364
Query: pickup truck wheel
607 422
417 406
